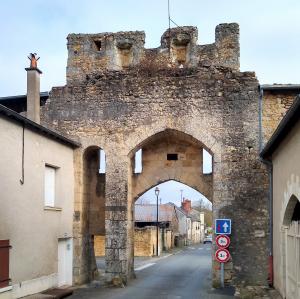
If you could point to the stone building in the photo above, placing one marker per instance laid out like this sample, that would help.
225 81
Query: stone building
172 102
181 234
195 231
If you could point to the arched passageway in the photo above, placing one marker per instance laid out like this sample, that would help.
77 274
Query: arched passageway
168 155
171 155
94 208
168 216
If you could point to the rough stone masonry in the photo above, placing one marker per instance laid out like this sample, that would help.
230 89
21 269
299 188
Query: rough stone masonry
119 95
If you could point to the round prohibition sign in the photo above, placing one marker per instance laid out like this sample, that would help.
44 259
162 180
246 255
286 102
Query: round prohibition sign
222 241
222 255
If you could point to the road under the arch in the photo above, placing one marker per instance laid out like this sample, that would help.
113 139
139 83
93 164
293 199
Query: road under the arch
184 275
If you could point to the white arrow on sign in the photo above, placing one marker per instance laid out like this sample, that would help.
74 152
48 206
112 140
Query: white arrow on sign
225 226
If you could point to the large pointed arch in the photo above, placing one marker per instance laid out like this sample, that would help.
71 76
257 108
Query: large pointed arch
209 143
187 169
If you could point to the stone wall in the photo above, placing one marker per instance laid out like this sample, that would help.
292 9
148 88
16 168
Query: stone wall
99 245
89 53
144 242
168 239
121 109
274 106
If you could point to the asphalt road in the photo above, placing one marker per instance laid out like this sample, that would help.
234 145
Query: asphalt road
185 275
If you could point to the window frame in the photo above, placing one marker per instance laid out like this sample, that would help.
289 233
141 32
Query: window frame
53 202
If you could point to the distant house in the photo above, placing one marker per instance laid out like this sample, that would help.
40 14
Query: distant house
195 227
184 222
146 215
145 228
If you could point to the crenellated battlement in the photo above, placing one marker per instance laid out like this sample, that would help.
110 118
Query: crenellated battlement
122 50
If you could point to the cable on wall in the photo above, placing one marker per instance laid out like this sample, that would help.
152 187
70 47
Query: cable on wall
22 180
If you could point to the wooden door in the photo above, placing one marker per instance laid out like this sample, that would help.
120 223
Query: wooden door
4 263
293 261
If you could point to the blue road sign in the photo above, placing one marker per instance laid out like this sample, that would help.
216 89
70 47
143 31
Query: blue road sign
223 226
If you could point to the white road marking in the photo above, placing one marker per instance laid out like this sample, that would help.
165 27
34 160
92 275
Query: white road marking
144 267
201 248
191 247
163 257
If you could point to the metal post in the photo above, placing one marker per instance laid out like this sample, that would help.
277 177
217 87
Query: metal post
157 224
169 18
222 275
156 193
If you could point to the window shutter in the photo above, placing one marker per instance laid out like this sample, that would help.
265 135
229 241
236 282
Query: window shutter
4 263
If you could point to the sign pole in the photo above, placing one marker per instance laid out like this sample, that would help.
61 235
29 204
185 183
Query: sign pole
222 275
222 230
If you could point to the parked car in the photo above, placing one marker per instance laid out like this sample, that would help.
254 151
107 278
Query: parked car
207 239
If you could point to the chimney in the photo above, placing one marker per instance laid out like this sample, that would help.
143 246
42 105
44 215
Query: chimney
186 205
33 89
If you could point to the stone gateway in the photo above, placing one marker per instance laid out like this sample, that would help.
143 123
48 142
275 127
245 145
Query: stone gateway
179 99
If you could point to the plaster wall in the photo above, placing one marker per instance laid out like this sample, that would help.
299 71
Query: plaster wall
32 229
286 183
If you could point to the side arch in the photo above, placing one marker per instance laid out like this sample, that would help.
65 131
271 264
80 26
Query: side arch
292 190
291 199
291 208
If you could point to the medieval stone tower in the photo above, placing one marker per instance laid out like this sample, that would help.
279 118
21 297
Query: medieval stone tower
179 98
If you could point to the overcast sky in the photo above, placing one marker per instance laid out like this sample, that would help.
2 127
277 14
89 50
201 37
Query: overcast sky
269 36
270 32
171 192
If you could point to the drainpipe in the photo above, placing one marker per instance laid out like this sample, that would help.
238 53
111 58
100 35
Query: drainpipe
270 172
261 94
270 169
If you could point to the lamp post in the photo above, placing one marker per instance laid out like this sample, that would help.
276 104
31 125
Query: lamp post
157 193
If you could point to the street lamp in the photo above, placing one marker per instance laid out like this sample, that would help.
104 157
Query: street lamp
156 193
181 195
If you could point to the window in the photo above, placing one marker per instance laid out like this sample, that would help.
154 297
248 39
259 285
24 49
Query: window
138 161
207 162
98 44
138 166
50 173
171 157
102 162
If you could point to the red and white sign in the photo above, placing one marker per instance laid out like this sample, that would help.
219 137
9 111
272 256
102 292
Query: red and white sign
222 255
222 241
